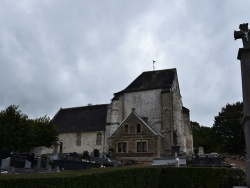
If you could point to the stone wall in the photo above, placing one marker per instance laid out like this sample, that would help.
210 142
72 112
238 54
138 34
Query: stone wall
188 131
88 142
146 103
167 120
178 124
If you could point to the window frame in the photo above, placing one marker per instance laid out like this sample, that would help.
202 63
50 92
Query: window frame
122 146
141 146
98 139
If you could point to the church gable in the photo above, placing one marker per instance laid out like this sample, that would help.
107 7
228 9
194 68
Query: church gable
134 138
133 125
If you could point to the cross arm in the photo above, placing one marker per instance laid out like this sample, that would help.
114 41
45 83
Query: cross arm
238 35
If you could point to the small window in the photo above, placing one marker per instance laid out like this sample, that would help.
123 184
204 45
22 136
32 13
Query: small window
122 147
126 129
138 128
99 139
142 146
78 139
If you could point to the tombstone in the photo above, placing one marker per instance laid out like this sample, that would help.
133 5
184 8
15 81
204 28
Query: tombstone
5 164
47 163
57 169
27 164
177 163
39 160
201 151
244 57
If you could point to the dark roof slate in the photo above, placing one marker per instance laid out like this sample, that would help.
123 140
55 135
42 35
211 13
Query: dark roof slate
150 80
81 119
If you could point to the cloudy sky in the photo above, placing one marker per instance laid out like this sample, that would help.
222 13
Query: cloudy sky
68 53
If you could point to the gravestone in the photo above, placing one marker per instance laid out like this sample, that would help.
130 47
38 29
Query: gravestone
39 160
244 57
47 164
27 164
5 164
201 151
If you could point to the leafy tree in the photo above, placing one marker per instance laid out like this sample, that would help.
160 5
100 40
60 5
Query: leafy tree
202 137
18 133
44 132
227 130
15 133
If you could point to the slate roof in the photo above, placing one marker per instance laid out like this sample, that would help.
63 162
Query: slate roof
150 80
79 119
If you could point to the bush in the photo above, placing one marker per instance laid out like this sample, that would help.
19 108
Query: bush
129 177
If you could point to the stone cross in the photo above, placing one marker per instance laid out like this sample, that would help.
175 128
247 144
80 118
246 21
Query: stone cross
244 57
243 34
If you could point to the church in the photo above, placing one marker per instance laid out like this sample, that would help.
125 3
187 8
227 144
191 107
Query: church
146 120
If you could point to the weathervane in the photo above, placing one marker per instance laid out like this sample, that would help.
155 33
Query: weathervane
153 64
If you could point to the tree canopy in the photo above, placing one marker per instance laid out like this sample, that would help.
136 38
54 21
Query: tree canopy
202 137
227 129
226 135
18 133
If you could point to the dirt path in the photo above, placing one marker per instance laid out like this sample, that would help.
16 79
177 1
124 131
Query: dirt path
238 163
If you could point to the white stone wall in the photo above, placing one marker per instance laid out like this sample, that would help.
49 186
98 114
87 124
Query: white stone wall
88 142
146 103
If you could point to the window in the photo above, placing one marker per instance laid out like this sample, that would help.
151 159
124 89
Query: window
138 128
141 146
126 129
78 139
122 147
99 139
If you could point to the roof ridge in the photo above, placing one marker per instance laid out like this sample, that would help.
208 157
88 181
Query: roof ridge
89 106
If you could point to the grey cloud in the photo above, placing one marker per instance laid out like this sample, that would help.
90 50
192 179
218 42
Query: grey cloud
61 54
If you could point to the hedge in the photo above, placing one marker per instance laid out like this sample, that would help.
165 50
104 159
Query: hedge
129 177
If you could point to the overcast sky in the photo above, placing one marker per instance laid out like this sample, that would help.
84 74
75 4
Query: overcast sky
68 53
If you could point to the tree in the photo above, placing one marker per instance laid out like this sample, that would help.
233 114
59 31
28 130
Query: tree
202 137
227 130
15 133
18 133
44 132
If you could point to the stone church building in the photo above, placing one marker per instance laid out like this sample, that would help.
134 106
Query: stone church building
146 120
